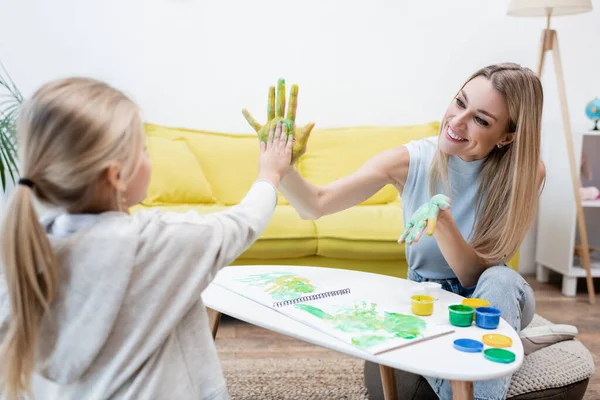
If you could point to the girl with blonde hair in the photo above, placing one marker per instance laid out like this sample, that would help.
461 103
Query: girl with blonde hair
486 161
102 303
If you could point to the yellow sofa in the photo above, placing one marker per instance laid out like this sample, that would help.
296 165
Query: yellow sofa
210 171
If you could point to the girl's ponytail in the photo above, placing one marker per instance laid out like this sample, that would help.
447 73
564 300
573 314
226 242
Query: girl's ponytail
31 275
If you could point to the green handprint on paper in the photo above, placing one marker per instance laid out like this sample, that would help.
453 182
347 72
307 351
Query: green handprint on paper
426 215
274 115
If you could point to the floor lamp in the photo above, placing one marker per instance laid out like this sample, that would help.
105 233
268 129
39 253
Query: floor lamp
549 42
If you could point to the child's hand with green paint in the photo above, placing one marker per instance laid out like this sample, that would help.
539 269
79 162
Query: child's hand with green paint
275 115
425 216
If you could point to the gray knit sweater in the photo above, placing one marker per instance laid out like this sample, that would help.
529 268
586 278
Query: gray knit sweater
128 321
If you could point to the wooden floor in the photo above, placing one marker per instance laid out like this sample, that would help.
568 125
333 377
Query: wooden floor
237 339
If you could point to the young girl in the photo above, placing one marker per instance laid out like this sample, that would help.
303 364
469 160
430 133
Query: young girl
102 303
486 159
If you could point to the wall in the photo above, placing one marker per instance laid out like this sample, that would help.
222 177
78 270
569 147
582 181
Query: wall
381 62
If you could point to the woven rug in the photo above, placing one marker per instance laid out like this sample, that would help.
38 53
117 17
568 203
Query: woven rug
300 378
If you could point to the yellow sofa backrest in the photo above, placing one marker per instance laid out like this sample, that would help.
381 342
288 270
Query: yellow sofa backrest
201 167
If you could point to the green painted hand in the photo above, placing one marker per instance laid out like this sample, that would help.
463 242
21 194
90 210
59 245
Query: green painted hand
275 115
425 216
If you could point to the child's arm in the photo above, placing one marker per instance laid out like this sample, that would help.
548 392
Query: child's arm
236 228
198 245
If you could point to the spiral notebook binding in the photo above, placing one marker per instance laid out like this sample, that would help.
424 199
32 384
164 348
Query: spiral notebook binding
316 296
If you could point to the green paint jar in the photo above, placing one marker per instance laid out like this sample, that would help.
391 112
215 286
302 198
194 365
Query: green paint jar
461 315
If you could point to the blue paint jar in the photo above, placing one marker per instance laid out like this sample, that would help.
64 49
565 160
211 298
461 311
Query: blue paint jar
487 317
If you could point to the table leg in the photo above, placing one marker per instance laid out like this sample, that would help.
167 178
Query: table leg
388 381
462 390
214 317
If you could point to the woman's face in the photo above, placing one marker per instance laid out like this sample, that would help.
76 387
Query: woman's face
475 122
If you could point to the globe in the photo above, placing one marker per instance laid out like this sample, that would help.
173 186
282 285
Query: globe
592 110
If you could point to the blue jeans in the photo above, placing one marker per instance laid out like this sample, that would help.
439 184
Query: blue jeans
505 289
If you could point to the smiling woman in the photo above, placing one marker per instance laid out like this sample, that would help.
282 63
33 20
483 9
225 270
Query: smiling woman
497 117
485 167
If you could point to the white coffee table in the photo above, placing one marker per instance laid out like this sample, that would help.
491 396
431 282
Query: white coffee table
434 357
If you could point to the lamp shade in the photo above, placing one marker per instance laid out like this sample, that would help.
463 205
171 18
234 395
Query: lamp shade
541 8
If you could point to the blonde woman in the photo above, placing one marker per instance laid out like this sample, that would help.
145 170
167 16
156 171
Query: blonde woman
102 303
486 160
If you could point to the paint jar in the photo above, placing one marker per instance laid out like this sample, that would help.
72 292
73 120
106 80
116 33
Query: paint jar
422 305
475 302
432 289
487 317
460 315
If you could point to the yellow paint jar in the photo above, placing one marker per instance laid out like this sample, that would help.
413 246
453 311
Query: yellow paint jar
422 305
475 302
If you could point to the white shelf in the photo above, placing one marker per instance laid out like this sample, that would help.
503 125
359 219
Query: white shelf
557 231
579 271
591 203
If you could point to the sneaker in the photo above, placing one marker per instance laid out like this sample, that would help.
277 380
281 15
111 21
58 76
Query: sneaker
543 336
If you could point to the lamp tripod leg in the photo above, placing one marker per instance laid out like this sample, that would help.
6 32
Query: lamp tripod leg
585 254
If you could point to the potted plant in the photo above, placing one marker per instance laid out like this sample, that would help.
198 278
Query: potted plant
10 100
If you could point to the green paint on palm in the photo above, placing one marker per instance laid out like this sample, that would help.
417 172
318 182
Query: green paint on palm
281 285
263 134
425 215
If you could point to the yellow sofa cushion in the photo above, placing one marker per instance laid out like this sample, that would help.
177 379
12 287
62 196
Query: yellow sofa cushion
176 177
364 232
335 153
229 161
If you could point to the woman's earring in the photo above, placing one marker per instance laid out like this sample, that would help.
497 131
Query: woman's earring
499 146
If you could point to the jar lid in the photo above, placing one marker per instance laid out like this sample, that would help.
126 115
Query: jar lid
499 355
468 345
496 340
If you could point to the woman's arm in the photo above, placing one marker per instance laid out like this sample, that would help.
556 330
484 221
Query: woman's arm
313 202
459 254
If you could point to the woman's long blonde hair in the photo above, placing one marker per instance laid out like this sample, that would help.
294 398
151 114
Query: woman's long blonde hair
509 180
68 132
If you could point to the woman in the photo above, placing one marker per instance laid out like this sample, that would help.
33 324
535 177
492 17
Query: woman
487 161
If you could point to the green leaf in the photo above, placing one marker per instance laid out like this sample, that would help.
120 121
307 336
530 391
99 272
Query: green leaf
7 159
2 174
9 84
6 144
10 101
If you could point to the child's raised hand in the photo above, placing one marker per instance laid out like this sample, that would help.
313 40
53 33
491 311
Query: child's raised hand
275 154
424 217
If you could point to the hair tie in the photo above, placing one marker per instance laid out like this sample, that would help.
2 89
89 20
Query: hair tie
26 182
